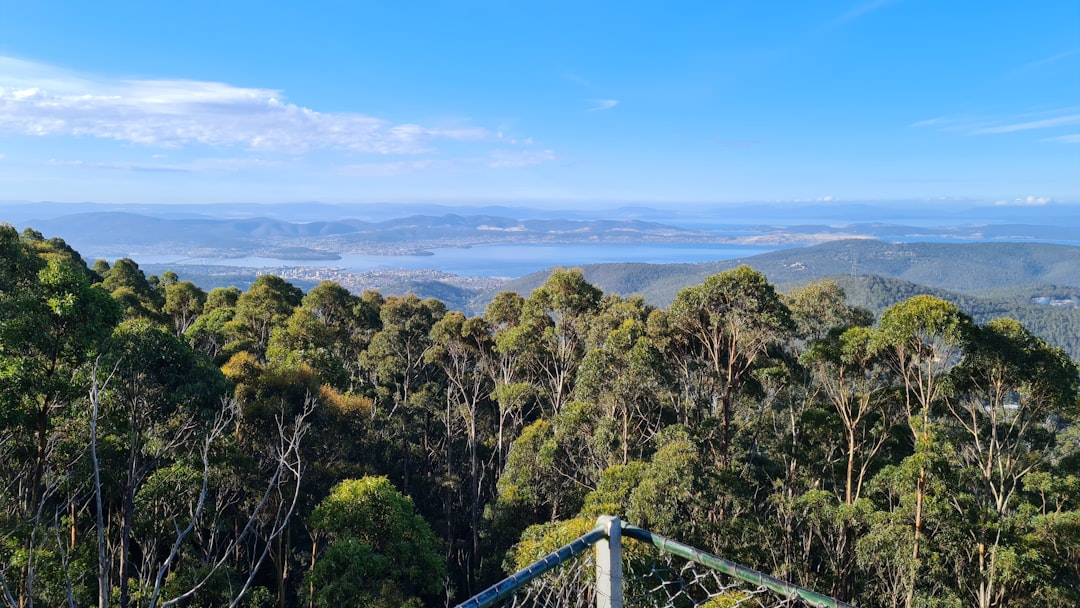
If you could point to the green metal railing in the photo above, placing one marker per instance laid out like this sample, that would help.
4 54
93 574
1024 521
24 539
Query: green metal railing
607 538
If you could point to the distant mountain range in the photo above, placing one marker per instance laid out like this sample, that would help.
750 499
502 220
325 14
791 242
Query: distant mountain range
687 215
963 268
323 231
991 260
117 234
1035 283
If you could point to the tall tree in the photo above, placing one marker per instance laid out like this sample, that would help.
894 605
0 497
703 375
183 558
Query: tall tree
328 331
462 347
183 303
379 552
731 320
922 338
508 369
626 377
554 321
396 358
854 379
160 395
267 304
1010 384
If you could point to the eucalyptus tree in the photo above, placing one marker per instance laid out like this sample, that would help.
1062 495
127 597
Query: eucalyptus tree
730 321
396 358
378 551
922 339
855 380
555 463
327 333
266 305
462 348
819 309
222 297
1010 386
271 396
126 281
692 394
208 332
554 330
184 302
159 397
508 370
625 376
54 323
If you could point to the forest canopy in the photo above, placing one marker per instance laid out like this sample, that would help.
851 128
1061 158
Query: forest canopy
168 446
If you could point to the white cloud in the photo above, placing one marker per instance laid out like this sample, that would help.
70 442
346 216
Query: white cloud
602 104
858 11
390 169
1067 139
932 122
503 137
1027 201
976 125
519 158
1033 124
210 165
1045 61
41 100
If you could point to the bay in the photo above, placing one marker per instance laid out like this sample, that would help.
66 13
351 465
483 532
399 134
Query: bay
495 260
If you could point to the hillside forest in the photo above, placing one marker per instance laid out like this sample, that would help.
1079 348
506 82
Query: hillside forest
168 446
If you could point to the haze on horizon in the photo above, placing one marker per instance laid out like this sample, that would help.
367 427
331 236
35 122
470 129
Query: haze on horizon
202 102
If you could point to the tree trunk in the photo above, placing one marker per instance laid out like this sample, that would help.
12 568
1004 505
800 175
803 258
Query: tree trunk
474 467
848 498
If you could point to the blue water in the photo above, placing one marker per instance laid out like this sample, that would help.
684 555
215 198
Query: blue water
500 260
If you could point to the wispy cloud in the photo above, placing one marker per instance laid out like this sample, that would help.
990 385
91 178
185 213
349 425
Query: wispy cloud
1065 139
198 165
40 100
1028 201
123 166
599 105
1029 125
391 169
503 137
496 159
1045 61
578 80
519 158
932 122
858 11
1063 117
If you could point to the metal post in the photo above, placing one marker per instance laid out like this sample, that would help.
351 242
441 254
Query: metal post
609 578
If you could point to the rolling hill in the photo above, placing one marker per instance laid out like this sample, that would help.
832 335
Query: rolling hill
1035 283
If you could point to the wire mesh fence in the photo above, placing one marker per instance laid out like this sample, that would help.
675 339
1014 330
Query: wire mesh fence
655 572
661 581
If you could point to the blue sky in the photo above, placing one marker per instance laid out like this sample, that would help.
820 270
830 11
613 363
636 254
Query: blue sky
590 102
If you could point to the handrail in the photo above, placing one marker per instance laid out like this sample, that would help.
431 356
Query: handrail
504 588
733 569
507 586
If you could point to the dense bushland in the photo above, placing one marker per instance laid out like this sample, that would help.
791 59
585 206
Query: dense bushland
168 446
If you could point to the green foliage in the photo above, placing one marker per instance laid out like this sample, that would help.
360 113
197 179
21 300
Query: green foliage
928 460
184 302
380 552
258 310
667 499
